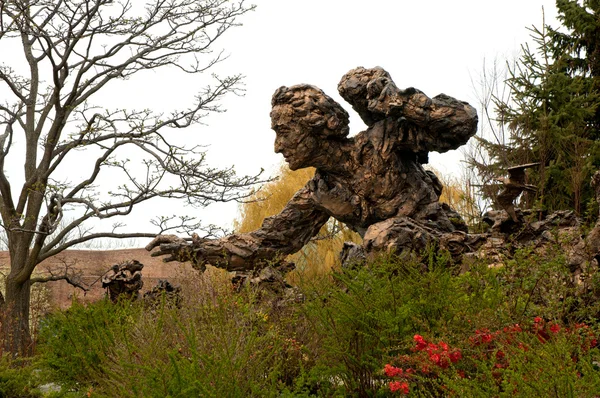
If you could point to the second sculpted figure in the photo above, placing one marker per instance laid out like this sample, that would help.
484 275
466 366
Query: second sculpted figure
374 182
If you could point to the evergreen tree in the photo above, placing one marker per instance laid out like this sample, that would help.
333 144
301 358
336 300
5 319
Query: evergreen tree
552 113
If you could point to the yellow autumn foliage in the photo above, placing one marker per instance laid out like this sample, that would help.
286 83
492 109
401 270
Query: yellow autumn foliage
460 195
322 252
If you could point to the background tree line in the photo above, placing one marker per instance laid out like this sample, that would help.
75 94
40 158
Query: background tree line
546 111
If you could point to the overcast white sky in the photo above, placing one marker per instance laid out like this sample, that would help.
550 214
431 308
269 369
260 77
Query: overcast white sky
438 46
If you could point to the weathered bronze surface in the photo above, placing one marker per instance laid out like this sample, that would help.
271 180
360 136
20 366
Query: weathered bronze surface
374 182
124 280
514 185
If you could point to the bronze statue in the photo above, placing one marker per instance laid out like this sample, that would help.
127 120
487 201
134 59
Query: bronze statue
514 185
374 182
124 280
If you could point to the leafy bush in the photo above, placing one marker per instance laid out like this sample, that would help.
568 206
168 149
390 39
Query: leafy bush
220 343
17 379
540 359
362 316
336 343
77 344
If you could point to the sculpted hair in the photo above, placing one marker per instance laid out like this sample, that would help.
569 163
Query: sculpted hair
314 109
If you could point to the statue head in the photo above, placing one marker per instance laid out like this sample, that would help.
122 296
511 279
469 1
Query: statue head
303 116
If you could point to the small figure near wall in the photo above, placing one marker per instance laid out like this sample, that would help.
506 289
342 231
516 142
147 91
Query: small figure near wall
123 281
374 182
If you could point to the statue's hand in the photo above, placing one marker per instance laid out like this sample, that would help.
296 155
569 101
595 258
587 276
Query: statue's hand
337 200
177 249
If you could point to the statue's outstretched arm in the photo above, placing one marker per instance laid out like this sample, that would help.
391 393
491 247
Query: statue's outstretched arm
436 124
279 235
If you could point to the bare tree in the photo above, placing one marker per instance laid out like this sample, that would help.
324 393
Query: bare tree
70 50
481 170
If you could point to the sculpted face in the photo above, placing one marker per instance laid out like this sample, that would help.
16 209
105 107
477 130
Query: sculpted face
305 119
294 141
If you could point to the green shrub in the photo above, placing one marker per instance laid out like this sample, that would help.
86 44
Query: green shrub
220 343
559 365
336 343
539 359
17 379
76 345
363 316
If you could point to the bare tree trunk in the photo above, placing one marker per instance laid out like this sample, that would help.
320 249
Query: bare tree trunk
63 71
16 337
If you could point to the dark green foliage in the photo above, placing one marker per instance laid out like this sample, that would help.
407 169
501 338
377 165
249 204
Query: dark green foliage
17 380
217 345
579 46
365 315
76 344
524 364
353 322
552 114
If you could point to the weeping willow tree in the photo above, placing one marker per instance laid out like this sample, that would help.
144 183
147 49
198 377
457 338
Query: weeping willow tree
460 194
321 253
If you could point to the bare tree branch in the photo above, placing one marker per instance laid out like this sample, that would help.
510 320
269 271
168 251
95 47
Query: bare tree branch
72 49
66 272
66 278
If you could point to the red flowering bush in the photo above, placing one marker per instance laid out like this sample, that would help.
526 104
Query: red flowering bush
397 386
401 377
429 358
436 355
495 355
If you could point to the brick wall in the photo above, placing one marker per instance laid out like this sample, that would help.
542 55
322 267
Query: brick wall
93 264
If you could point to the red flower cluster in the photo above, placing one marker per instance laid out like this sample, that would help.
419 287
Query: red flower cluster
402 387
482 336
431 359
439 354
392 371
